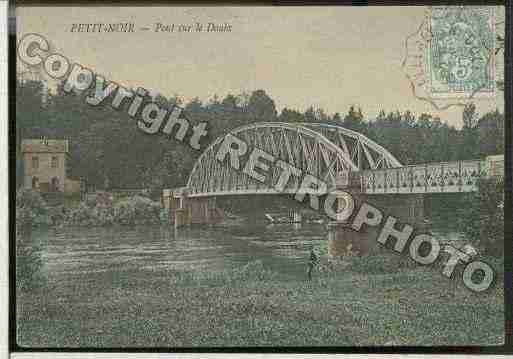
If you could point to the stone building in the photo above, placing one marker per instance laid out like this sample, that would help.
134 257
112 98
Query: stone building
45 165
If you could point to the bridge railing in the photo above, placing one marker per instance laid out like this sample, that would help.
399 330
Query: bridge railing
458 176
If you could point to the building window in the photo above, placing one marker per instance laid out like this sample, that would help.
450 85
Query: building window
55 184
55 162
35 183
35 162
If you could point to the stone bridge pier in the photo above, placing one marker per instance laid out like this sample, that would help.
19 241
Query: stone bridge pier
184 210
343 239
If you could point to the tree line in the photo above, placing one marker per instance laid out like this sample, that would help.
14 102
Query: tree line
108 150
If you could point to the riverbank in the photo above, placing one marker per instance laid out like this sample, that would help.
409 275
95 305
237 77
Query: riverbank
253 306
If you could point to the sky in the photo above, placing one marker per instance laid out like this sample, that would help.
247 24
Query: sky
327 57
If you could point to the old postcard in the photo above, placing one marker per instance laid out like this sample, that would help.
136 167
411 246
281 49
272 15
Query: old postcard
213 177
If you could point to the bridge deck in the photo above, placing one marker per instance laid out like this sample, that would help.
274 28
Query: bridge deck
444 177
459 176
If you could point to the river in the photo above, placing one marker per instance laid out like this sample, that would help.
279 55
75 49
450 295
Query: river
281 247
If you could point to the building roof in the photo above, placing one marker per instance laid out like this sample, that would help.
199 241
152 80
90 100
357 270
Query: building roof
44 146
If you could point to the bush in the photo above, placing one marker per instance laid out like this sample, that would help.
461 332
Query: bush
31 209
129 211
497 264
28 264
482 219
137 210
86 215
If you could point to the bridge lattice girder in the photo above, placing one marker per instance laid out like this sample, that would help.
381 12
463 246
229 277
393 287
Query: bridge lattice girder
321 150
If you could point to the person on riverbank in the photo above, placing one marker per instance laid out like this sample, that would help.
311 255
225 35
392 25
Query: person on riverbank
312 262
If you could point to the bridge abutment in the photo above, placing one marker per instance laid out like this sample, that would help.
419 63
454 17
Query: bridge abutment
184 210
343 239
181 217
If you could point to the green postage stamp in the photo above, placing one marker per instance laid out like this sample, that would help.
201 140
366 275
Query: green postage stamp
460 52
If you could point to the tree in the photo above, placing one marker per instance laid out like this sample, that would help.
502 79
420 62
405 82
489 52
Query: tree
490 129
287 115
230 102
261 107
469 116
31 118
483 216
337 120
500 47
106 143
354 120
469 147
310 114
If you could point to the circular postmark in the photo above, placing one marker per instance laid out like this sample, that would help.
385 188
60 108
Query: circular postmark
450 59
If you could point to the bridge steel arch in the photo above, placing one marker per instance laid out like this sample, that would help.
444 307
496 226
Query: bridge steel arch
367 154
321 150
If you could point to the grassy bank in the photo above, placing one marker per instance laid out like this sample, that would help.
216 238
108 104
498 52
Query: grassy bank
255 307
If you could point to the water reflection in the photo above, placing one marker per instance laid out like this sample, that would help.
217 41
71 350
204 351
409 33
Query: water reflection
281 247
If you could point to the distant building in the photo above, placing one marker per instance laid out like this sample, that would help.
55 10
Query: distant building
44 166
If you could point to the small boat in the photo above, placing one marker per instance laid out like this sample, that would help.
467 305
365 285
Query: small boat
283 220
318 221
